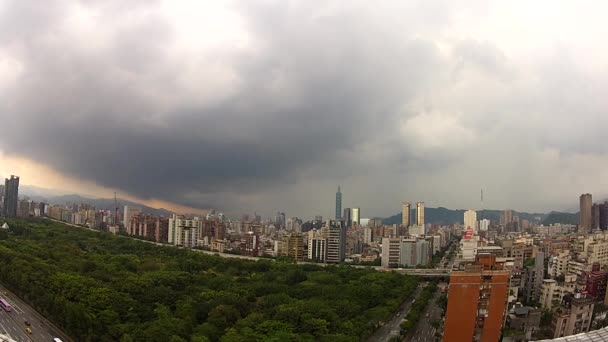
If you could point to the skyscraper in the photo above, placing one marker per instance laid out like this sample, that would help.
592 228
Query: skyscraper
11 197
405 214
336 241
470 220
356 216
585 213
420 214
346 217
595 216
338 204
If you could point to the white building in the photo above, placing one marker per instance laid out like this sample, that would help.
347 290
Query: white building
484 225
470 220
184 232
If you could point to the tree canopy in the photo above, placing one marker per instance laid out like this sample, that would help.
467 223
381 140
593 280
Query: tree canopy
101 287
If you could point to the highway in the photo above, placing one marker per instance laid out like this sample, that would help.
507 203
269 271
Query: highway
391 328
13 323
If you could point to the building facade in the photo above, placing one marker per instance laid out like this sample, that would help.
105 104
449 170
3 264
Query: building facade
477 303
11 197
420 214
585 221
406 210
338 204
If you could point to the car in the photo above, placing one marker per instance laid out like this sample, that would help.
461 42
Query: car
27 323
28 330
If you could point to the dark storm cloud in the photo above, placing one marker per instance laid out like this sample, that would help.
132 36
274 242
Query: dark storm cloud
305 96
268 105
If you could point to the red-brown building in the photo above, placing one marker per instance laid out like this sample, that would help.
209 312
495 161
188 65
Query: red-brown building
477 299
596 284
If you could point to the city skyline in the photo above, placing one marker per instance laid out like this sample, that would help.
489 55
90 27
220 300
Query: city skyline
241 116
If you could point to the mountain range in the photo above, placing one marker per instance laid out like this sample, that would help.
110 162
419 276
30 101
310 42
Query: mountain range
439 215
443 215
56 197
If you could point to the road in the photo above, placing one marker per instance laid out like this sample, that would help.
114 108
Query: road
13 323
424 332
392 328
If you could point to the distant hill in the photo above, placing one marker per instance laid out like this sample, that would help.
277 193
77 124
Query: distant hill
558 217
42 195
443 215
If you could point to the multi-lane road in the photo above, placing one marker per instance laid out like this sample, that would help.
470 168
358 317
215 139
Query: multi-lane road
13 323
392 328
424 332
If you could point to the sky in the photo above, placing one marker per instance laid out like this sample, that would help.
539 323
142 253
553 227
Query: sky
246 106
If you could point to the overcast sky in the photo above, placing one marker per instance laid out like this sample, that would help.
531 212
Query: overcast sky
269 105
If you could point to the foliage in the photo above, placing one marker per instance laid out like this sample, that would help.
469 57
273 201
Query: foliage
101 287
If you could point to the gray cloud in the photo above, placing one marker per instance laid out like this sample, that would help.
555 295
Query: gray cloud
375 98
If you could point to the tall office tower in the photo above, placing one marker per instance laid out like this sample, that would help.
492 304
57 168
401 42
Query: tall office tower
506 217
356 216
604 216
585 213
338 204
1 196
336 241
470 220
534 276
346 217
420 214
406 210
11 197
595 216
477 300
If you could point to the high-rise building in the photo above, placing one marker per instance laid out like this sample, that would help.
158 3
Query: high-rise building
534 278
129 212
420 213
470 220
477 302
484 225
346 217
585 213
507 217
356 216
11 197
595 216
390 252
183 231
604 216
406 210
336 241
317 249
293 246
338 204
1 196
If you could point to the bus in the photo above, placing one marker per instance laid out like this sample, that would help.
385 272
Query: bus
5 305
57 339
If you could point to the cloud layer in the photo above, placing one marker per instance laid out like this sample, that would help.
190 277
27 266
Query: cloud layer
268 105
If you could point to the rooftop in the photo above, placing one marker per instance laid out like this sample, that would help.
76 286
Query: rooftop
600 335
